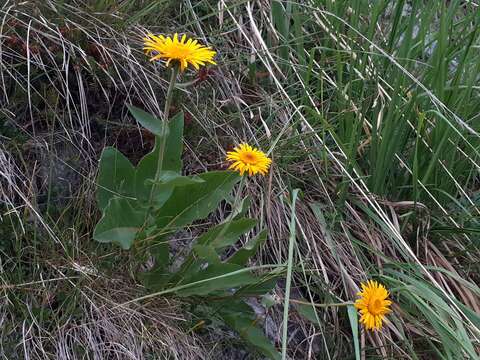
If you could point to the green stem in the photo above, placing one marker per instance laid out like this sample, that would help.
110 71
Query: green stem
171 86
186 84
185 286
347 303
237 197
163 141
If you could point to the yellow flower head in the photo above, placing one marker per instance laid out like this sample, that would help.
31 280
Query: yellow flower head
373 304
248 159
184 51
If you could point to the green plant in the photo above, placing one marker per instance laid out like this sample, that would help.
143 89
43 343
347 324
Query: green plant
143 206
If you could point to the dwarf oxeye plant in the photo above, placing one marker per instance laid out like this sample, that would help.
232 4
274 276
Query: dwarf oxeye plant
144 206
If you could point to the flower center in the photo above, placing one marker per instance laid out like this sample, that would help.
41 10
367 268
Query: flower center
180 52
249 158
375 307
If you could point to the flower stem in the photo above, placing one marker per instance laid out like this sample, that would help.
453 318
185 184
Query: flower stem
171 86
300 302
199 282
163 139
238 195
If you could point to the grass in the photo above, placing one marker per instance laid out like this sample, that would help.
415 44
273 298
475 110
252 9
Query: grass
370 108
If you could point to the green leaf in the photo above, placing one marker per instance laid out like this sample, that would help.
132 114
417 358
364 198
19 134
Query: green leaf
249 249
174 179
436 309
119 224
148 121
216 239
206 253
156 278
281 20
196 201
261 287
469 313
160 250
115 177
308 311
268 301
172 157
146 170
353 316
242 208
240 317
227 233
223 282
171 162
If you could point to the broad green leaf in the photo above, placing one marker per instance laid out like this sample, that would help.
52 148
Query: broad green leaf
261 287
207 253
145 173
226 234
161 193
191 266
171 162
148 121
221 279
240 317
249 249
119 224
156 278
242 208
308 311
172 158
216 238
160 250
268 301
174 179
168 180
115 177
158 247
196 201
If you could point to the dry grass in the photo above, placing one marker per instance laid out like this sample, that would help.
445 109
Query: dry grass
65 76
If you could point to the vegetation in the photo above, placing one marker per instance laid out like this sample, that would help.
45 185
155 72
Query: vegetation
369 111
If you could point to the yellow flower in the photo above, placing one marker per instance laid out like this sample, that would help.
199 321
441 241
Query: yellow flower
184 51
373 304
248 159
